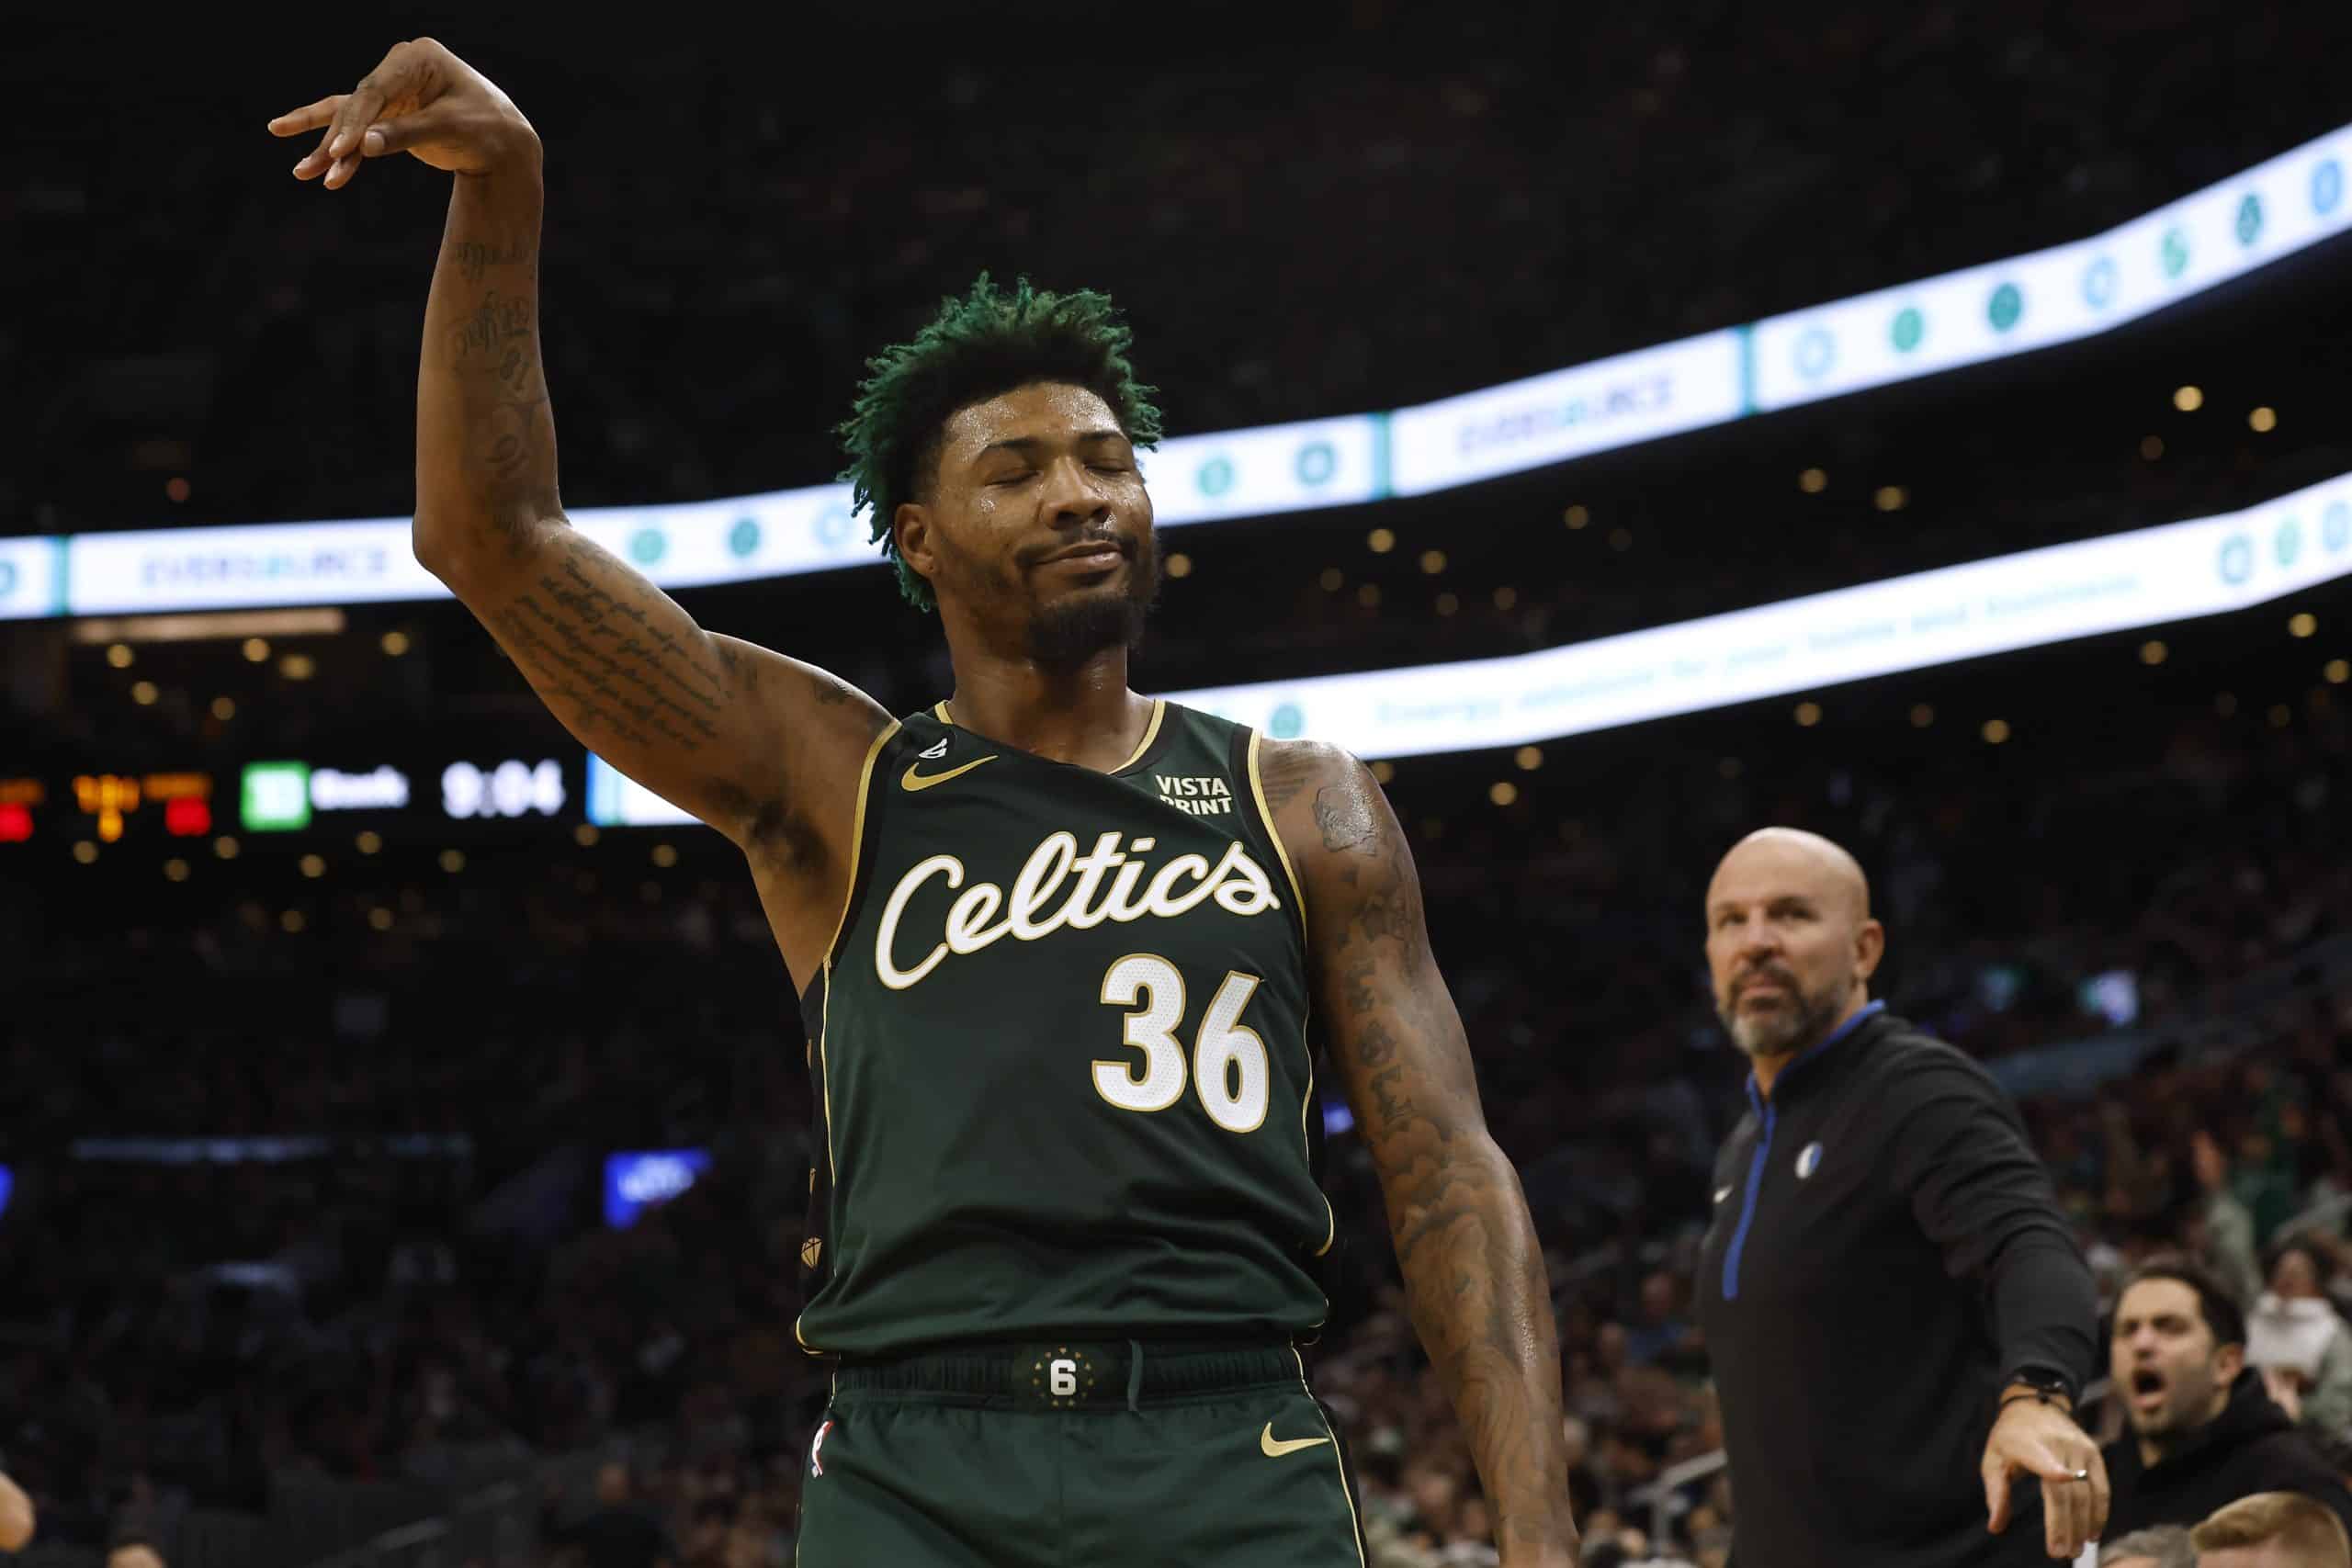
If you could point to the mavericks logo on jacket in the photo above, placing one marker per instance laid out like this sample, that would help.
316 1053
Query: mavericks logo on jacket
1057 886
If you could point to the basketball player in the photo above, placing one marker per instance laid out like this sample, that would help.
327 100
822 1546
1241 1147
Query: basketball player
1057 943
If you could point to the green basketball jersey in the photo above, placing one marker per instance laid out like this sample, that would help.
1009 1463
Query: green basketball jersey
1059 1052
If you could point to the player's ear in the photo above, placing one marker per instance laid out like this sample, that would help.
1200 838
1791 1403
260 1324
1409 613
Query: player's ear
1870 946
912 525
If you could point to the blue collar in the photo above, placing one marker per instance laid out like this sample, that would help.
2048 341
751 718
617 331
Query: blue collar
1810 1052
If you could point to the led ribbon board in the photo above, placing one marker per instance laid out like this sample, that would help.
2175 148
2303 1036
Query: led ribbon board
2173 573
1918 329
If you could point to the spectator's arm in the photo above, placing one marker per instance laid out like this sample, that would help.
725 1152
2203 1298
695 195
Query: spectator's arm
16 1516
2327 1403
2229 1244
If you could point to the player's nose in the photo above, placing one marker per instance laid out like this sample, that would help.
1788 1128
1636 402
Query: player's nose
1071 495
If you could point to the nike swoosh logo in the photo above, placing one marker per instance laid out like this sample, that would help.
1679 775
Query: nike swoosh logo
1272 1450
915 781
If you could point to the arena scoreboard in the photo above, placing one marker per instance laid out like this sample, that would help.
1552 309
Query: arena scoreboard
291 798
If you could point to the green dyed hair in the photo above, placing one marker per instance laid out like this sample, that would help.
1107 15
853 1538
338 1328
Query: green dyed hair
981 346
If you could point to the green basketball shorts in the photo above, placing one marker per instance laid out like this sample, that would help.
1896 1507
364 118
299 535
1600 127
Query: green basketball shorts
1079 1455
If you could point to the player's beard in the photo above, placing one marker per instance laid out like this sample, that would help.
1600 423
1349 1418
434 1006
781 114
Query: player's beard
1785 1031
1076 626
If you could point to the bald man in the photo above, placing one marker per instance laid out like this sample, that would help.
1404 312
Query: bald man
1897 1316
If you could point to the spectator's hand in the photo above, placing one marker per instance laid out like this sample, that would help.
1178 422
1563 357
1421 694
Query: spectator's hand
2042 1440
2286 1390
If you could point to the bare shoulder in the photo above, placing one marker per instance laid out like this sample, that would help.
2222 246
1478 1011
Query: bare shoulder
1323 800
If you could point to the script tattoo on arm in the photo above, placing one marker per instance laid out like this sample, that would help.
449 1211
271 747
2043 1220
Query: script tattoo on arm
1473 1271
612 668
485 429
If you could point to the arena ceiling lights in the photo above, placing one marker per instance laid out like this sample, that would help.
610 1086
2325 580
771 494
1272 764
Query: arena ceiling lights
2147 577
1962 318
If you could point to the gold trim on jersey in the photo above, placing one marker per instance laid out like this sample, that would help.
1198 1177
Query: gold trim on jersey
824 1026
857 834
1150 733
1330 1215
1338 1463
1282 853
824 1020
849 895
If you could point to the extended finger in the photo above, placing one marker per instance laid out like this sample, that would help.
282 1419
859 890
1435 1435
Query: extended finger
2058 1518
2078 1520
1996 1494
342 171
356 113
2102 1495
309 116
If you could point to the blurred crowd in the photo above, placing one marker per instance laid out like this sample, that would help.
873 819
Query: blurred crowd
415 1268
300 1180
1467 200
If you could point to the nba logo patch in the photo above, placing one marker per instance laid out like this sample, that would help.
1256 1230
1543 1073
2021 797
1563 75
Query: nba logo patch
1808 1160
816 1447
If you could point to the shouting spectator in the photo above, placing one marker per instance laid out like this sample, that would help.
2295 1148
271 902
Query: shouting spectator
2203 1433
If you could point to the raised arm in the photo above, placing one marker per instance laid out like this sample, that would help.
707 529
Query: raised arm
759 746
1474 1274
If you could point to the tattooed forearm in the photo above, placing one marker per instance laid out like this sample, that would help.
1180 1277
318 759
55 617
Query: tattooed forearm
685 713
1473 1270
474 258
485 430
1476 1290
597 657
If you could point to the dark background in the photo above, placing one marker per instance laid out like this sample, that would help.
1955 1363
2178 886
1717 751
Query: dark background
1305 211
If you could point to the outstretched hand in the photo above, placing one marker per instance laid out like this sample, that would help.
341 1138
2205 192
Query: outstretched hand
422 100
2039 1440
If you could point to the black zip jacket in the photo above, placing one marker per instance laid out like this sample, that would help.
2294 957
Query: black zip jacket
1886 1255
2250 1446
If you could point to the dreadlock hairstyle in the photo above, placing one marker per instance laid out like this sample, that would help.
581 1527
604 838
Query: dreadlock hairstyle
981 346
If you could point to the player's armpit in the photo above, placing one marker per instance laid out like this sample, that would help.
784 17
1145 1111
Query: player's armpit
1474 1272
750 741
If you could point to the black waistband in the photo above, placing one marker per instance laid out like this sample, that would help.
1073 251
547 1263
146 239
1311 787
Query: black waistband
1070 1374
